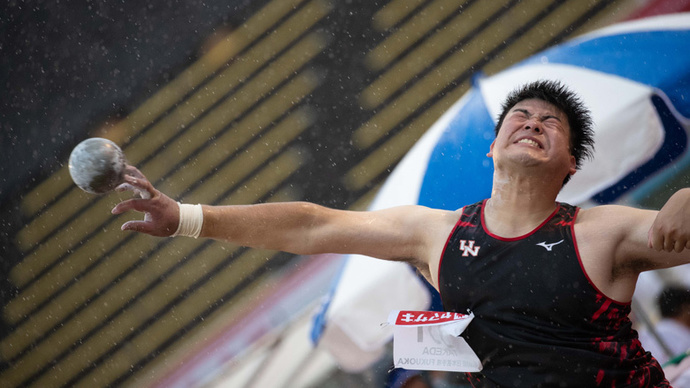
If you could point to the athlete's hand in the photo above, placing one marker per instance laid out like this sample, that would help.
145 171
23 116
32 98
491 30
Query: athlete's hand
161 213
671 229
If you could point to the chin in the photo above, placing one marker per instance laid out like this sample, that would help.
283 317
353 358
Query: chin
527 160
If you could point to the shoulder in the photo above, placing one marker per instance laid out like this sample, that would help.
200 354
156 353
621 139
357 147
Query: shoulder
419 222
616 235
421 211
418 212
616 224
607 238
614 216
434 220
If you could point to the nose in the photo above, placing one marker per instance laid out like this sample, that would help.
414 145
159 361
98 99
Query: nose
533 125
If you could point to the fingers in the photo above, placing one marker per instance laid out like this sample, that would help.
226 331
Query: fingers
133 171
140 193
161 212
136 181
138 226
140 183
143 194
140 186
655 240
140 205
667 244
125 187
678 246
659 242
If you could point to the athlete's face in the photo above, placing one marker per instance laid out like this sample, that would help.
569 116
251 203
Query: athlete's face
533 133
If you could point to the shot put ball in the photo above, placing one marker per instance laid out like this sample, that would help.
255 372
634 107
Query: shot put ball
97 165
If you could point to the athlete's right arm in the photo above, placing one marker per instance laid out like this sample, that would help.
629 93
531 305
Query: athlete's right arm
407 233
307 228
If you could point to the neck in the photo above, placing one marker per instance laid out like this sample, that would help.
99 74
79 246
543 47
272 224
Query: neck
518 204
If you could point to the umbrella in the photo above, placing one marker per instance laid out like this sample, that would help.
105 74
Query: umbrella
635 78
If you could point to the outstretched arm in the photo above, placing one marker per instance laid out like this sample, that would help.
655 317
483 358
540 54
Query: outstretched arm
652 239
307 228
409 233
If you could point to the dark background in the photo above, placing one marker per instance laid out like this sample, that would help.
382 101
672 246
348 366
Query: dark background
68 69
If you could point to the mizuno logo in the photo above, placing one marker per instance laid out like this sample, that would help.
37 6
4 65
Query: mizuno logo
468 248
549 247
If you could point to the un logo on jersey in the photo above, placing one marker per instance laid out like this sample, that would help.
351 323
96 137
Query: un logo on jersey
468 248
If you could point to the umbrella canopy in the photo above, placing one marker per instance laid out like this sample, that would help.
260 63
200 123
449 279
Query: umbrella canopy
634 77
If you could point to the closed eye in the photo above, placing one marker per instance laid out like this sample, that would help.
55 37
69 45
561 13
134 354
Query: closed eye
545 118
521 113
552 122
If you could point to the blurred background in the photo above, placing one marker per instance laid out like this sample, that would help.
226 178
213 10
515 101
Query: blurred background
220 102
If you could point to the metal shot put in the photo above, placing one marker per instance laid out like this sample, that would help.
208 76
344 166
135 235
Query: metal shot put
97 166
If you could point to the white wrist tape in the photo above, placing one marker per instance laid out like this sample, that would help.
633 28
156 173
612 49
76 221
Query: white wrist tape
191 220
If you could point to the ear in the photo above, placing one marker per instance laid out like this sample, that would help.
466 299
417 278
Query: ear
491 149
573 166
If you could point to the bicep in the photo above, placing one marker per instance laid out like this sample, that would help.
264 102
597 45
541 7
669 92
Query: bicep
390 234
635 251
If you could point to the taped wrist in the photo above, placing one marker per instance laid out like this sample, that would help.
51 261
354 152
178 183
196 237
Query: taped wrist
191 220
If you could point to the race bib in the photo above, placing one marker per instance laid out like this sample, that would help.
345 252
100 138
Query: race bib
429 340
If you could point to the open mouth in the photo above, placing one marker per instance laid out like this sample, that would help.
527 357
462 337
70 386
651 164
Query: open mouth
530 142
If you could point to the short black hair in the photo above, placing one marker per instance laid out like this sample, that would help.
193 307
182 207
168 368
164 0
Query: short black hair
556 94
671 301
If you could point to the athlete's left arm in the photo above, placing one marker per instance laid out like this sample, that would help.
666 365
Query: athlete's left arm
659 239
670 231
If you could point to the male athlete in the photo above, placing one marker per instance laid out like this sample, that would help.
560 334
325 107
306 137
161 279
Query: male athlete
550 284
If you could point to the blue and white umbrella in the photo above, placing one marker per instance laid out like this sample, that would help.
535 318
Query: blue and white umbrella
634 77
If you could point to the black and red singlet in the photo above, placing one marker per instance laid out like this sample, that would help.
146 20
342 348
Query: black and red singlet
539 320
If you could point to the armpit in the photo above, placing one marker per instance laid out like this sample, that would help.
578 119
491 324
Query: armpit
631 267
420 267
